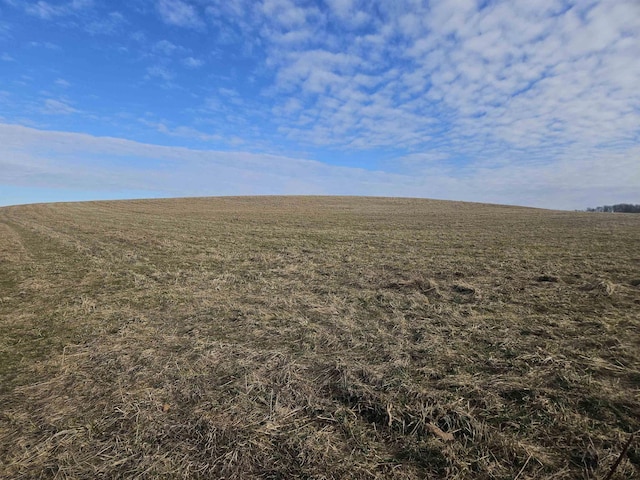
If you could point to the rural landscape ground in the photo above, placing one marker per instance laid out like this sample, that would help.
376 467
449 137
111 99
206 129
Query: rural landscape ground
317 338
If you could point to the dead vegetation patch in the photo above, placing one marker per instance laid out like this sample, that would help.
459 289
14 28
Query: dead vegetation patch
600 287
316 338
426 286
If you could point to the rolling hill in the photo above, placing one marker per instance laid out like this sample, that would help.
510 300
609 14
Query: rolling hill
317 337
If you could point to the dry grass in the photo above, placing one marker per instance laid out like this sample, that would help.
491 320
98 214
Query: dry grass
317 338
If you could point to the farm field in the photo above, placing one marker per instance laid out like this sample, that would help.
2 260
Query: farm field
317 338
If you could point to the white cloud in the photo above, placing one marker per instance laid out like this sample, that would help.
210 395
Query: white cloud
45 10
48 11
350 13
108 25
183 131
58 107
512 83
138 36
157 71
557 89
167 48
47 45
192 62
70 160
421 159
5 57
342 8
179 13
285 13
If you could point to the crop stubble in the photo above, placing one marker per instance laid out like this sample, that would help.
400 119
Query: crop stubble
317 337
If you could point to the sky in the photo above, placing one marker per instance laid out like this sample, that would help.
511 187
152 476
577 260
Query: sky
521 102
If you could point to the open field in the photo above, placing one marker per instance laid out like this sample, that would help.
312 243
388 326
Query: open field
311 337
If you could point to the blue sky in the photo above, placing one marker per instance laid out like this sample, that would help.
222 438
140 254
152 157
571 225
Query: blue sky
520 102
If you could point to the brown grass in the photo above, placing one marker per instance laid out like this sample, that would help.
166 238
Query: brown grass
294 337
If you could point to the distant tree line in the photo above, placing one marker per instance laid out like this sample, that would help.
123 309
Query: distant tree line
618 208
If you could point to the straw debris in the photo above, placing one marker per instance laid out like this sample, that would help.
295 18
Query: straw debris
252 338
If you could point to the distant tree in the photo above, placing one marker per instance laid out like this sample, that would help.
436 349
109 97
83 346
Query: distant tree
626 208
618 208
